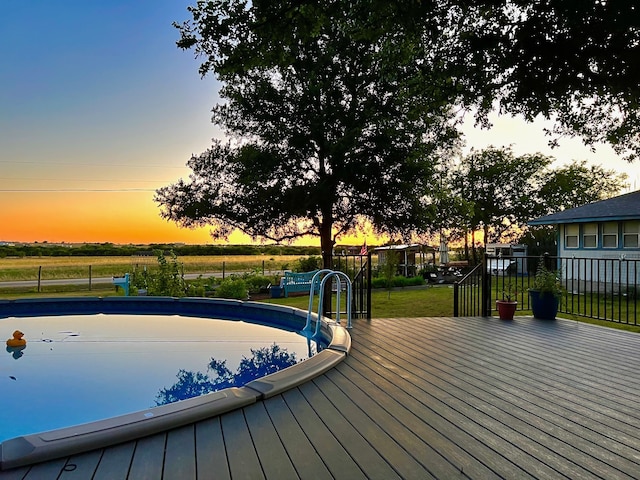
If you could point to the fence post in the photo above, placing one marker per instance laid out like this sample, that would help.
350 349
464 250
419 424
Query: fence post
368 285
90 278
456 312
486 288
39 277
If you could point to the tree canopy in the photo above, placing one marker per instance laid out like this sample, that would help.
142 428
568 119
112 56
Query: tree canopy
577 184
501 187
339 111
571 61
501 192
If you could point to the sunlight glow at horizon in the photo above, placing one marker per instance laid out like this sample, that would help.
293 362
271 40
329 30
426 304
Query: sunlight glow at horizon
100 108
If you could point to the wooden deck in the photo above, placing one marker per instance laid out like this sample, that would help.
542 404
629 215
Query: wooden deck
418 398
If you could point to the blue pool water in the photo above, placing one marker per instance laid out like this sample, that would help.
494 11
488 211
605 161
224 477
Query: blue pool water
80 368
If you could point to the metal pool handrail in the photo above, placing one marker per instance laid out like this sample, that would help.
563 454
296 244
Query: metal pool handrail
327 275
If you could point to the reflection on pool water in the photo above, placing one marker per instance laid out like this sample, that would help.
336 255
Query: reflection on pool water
81 368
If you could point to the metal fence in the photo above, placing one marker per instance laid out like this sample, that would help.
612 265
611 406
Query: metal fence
358 268
469 295
599 288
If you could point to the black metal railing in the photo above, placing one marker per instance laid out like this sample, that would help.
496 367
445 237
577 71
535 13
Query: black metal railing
358 268
599 288
469 299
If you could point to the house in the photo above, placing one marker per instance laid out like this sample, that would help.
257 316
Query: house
599 232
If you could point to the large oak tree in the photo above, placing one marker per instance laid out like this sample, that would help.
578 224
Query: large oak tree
333 115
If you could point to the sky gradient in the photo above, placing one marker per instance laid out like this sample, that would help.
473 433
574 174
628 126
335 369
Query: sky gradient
98 108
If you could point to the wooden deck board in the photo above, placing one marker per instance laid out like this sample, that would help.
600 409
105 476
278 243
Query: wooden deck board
148 458
273 456
42 471
444 438
241 453
81 466
114 463
211 456
295 441
379 436
370 462
339 463
180 458
418 398
508 420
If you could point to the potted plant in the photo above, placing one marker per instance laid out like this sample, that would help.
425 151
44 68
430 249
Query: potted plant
507 306
546 292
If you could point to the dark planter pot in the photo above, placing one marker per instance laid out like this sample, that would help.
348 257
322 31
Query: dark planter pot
544 305
506 310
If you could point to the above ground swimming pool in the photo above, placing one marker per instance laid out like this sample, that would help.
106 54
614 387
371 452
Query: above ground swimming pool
82 368
100 371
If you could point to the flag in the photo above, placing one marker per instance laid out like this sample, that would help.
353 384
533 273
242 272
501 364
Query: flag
363 250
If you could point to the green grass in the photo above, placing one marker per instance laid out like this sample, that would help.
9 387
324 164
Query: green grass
400 302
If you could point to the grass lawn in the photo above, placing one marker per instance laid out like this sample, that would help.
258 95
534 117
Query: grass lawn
400 302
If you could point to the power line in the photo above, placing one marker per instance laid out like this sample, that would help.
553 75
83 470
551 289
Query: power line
75 190
76 164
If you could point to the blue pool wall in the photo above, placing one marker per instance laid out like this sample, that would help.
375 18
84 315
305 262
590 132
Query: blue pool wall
280 316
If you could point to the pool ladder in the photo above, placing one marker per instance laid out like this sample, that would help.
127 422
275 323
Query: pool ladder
321 277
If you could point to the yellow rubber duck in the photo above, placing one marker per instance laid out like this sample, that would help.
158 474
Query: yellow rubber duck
17 340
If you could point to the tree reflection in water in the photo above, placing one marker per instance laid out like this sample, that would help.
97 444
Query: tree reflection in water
263 361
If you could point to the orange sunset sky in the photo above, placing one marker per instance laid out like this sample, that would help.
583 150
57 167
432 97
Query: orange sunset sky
99 108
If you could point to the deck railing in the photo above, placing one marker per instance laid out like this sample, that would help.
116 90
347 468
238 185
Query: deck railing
469 296
600 288
358 268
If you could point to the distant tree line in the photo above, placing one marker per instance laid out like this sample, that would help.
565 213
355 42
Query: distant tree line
114 250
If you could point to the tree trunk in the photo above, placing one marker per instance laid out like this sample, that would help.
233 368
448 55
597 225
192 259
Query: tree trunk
466 245
326 245
473 246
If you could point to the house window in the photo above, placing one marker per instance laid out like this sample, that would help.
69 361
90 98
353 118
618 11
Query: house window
571 236
630 234
590 235
610 235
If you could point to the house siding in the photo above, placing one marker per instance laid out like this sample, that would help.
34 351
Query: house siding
608 266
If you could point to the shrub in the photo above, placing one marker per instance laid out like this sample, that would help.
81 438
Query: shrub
235 288
397 281
167 280
308 264
255 283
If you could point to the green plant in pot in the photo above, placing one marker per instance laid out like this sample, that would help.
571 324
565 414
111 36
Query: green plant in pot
546 292
507 306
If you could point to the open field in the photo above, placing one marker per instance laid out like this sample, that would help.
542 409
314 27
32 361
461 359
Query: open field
28 268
